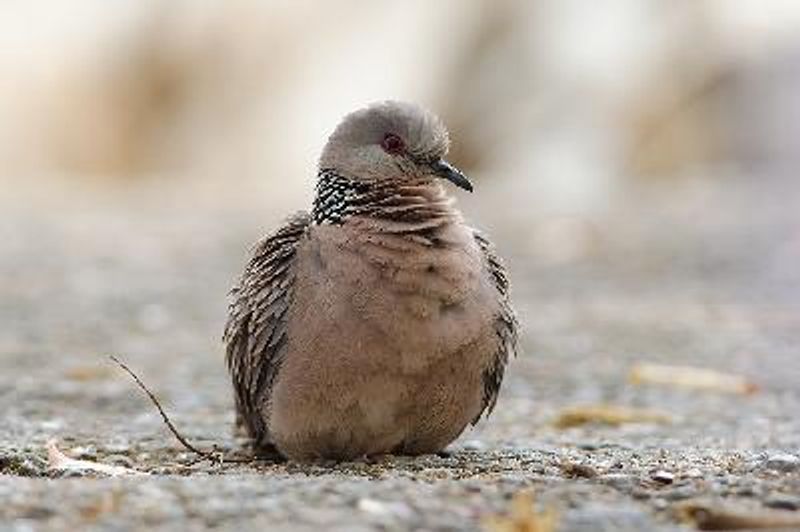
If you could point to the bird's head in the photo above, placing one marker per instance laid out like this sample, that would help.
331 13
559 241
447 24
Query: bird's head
391 140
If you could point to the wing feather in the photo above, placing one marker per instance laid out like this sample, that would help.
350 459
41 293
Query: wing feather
505 326
255 332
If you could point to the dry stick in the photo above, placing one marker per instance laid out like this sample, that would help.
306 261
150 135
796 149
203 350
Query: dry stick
206 455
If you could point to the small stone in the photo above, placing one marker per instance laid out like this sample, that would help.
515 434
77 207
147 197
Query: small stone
84 452
578 470
51 424
394 510
70 473
663 477
782 501
618 480
371 506
473 445
680 493
116 447
120 460
747 491
693 473
784 462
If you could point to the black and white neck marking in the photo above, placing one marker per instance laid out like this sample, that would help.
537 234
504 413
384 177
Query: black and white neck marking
339 198
336 197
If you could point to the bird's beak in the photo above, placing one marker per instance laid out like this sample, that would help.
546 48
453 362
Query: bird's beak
442 168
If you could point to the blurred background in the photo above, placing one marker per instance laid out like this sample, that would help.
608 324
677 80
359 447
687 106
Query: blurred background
636 164
571 105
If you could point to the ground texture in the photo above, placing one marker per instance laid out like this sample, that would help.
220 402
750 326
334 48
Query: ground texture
703 274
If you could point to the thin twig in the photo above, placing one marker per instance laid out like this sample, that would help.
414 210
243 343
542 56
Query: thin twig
214 456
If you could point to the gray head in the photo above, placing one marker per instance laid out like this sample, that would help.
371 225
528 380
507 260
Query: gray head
391 140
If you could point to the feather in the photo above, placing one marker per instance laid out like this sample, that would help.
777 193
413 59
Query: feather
256 327
506 326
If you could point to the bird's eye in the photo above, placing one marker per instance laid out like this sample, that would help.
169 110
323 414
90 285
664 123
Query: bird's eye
393 144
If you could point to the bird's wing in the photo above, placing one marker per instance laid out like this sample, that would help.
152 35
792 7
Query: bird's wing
258 312
505 326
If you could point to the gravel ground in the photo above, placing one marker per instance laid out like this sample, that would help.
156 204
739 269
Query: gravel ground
702 274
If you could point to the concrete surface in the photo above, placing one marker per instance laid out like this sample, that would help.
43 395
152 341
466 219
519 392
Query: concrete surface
702 274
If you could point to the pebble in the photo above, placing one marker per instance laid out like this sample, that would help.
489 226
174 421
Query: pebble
473 445
618 480
51 425
87 452
371 506
117 447
385 509
693 473
578 470
782 501
680 493
663 477
784 462
119 459
747 491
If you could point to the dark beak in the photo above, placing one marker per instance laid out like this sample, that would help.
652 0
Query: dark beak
442 168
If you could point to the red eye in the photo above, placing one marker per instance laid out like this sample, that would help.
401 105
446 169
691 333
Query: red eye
392 144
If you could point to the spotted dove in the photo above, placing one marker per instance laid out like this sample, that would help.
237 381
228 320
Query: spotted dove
380 322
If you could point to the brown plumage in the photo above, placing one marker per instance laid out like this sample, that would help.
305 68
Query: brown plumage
380 322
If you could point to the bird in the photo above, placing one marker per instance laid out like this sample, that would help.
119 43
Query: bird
379 323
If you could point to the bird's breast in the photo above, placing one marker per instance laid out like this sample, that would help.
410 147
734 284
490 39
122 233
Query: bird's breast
393 299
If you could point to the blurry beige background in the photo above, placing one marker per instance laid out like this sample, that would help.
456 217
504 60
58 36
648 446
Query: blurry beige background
636 145
562 102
